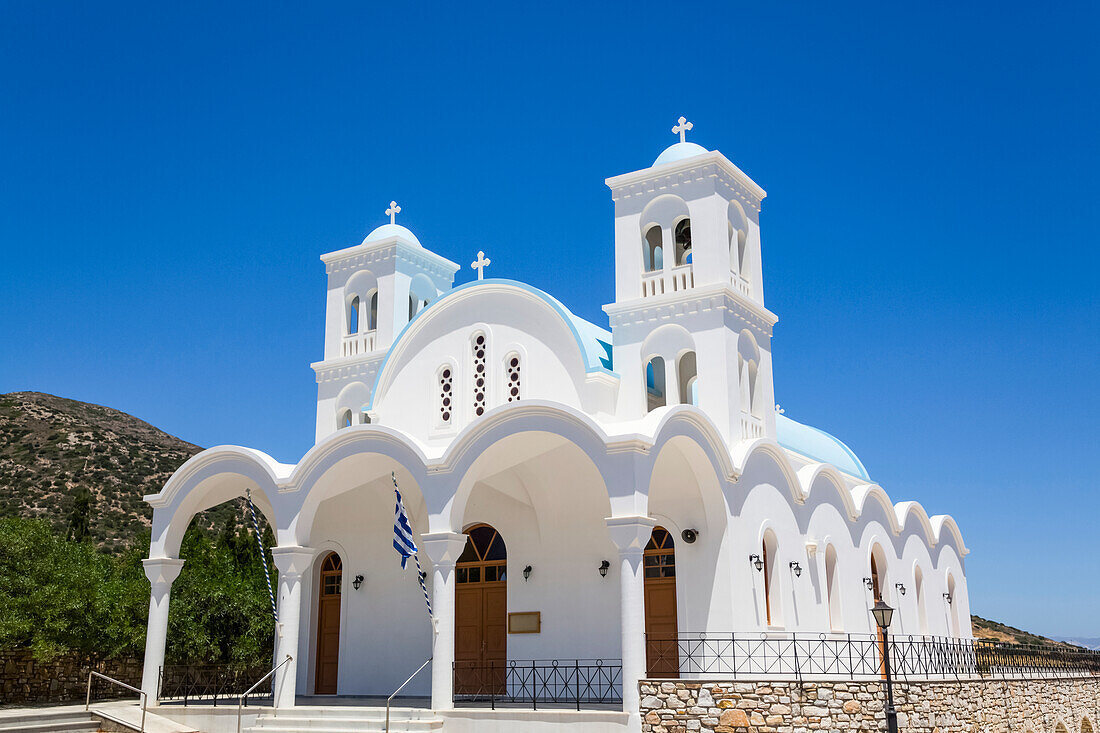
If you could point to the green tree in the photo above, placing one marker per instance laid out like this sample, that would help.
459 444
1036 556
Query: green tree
80 516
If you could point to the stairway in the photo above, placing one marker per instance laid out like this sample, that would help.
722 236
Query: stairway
303 719
48 720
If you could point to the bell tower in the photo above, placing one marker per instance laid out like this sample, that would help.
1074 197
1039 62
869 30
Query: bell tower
689 321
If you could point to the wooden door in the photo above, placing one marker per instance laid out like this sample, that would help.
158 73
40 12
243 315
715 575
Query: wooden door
328 625
481 612
876 595
662 644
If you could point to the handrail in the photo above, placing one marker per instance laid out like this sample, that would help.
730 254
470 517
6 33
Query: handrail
240 703
144 696
399 689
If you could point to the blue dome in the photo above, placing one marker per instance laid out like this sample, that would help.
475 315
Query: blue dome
392 231
679 151
818 445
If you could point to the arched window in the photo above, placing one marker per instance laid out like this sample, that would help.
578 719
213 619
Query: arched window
682 237
416 305
686 374
514 381
832 588
485 559
446 394
770 556
652 254
343 420
480 346
655 383
1086 726
364 417
353 315
922 612
372 313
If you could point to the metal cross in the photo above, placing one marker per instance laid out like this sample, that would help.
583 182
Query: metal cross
394 210
682 128
480 264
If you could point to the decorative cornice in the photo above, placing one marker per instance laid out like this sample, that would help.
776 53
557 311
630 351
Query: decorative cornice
344 367
662 307
711 165
362 255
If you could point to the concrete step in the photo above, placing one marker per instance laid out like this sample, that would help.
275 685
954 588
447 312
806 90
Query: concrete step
48 720
347 720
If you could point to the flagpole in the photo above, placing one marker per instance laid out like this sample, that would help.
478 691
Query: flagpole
405 545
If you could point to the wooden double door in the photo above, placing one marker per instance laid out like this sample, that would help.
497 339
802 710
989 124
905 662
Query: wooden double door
481 613
328 625
659 571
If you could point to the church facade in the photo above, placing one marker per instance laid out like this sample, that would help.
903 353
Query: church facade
577 491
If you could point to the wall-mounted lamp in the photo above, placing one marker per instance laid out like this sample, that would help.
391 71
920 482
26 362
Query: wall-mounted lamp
357 583
796 568
900 587
757 562
603 568
526 573
869 583
947 597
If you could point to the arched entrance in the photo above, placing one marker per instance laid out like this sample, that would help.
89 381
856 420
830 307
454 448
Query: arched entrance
328 624
481 611
876 596
659 562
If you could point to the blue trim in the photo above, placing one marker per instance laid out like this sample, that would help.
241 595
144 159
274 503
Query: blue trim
602 363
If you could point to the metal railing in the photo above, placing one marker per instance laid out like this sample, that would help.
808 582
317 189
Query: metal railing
144 696
852 656
205 682
402 687
575 682
249 691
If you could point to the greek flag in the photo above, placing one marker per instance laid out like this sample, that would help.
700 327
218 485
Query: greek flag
403 540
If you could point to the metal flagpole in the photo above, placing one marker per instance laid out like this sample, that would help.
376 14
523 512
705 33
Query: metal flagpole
405 545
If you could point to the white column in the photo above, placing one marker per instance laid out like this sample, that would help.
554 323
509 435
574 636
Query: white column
672 382
162 572
443 549
291 563
630 535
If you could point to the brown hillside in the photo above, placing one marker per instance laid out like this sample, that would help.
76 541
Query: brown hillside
50 446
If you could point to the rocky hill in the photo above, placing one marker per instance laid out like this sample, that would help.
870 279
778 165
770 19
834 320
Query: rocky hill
51 447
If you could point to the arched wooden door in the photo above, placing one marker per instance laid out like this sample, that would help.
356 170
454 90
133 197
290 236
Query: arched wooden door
876 596
659 564
481 612
328 625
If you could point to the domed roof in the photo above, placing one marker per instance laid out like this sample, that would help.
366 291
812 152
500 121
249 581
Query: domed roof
392 231
679 151
819 445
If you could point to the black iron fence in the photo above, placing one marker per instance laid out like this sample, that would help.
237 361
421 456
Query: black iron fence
823 656
558 682
211 683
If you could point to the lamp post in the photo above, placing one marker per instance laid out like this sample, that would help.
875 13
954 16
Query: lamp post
883 616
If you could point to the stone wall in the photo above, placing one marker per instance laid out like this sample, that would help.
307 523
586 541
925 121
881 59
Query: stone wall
23 680
980 706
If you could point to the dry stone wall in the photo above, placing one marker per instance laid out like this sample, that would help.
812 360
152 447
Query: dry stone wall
980 706
25 681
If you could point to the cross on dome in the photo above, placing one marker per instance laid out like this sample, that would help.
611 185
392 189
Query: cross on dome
682 128
480 264
393 211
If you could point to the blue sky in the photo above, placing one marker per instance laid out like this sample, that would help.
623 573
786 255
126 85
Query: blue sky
169 176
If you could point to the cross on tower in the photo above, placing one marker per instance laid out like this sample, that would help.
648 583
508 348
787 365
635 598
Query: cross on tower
480 264
682 128
393 211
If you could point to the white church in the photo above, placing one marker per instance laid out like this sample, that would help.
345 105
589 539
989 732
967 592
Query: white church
582 494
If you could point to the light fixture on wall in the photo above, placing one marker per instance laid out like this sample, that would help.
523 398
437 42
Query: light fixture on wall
358 582
947 597
603 568
869 583
690 535
526 573
900 587
757 562
796 568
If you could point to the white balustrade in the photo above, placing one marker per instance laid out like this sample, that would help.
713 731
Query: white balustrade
358 343
672 280
751 427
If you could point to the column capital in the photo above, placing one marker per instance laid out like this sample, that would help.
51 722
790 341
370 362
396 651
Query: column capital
631 533
292 561
162 571
443 548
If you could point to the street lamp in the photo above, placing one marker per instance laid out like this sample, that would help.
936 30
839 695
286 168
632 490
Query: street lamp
883 616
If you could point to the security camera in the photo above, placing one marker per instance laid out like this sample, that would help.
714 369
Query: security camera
690 535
